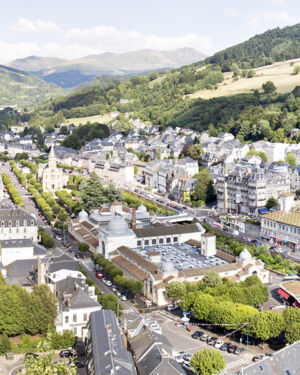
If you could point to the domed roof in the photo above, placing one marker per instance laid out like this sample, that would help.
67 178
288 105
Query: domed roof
83 215
117 225
142 208
245 256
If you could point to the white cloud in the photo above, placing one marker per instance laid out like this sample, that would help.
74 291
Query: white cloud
25 25
77 42
268 19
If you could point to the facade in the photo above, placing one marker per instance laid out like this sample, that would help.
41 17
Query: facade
12 250
247 189
283 226
17 224
122 173
105 348
52 178
76 302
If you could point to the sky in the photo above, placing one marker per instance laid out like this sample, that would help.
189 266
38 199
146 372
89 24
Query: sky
75 28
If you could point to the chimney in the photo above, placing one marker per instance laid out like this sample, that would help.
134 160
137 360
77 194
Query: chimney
133 218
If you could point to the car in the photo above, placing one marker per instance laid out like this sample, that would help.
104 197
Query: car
186 356
118 293
268 354
71 250
99 275
238 350
78 256
197 335
108 283
204 337
178 358
212 341
114 289
31 355
66 353
78 361
231 348
104 280
218 344
225 346
58 238
123 298
188 367
257 358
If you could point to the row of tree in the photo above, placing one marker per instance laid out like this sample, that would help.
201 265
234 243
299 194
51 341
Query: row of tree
12 191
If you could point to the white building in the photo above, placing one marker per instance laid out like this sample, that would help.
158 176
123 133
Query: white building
52 178
121 173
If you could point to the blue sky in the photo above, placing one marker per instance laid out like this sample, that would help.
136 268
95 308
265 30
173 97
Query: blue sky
73 28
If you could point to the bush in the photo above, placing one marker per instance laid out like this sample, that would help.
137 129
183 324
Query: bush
47 240
5 344
66 340
83 246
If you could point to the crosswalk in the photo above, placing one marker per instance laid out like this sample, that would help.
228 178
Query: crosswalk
130 311
245 360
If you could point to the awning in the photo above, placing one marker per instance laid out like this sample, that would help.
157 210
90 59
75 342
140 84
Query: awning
278 239
285 241
296 304
263 210
283 293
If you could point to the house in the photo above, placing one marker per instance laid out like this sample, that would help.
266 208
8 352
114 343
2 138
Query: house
76 301
105 348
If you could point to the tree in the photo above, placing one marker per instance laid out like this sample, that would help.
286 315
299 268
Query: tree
136 169
45 365
47 240
73 141
49 300
261 154
92 193
211 279
291 159
203 306
268 87
203 189
266 325
176 290
195 151
83 246
208 362
112 193
291 315
271 203
292 333
5 344
111 302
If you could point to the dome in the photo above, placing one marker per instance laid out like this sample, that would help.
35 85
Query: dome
245 256
83 215
117 225
142 208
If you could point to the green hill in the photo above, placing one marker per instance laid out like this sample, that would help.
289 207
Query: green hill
20 89
273 45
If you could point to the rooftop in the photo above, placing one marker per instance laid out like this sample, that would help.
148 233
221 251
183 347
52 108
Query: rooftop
180 257
292 287
290 218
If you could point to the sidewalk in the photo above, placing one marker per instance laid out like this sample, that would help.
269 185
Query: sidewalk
7 365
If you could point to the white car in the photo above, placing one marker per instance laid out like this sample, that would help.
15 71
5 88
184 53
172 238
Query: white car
114 289
118 294
218 344
123 298
186 356
108 283
178 358
58 238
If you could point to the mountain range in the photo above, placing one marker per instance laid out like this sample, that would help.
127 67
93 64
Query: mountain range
71 73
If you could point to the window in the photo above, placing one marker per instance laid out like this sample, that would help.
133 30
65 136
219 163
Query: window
24 230
154 242
168 240
146 242
10 223
139 243
66 319
175 239
17 223
161 240
32 223
2 223
74 318
85 317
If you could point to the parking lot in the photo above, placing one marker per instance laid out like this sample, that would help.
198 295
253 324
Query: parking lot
182 341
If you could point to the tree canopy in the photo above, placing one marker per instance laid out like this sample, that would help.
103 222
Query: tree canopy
208 362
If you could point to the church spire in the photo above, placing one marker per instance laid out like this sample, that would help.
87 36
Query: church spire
52 159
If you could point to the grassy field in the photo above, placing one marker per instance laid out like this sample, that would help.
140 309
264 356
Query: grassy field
280 73
103 119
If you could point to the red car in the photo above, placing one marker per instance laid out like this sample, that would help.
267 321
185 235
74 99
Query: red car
99 275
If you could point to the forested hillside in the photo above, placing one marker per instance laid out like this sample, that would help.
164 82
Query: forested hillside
273 45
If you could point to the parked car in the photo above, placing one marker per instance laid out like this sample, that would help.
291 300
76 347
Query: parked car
187 366
58 238
231 348
197 335
78 256
66 353
118 293
123 298
114 289
218 344
212 341
204 337
257 358
71 250
99 275
31 355
238 350
225 346
108 283
186 355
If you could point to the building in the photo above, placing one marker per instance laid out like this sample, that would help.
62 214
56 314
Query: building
247 188
51 177
121 173
118 233
12 250
76 301
17 224
284 362
105 348
290 291
283 226
156 266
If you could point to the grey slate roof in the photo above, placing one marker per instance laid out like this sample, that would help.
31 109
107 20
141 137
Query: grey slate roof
25 242
166 230
15 214
19 271
285 362
109 353
71 265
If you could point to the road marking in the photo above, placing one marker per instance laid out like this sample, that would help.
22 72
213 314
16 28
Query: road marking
239 362
130 311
